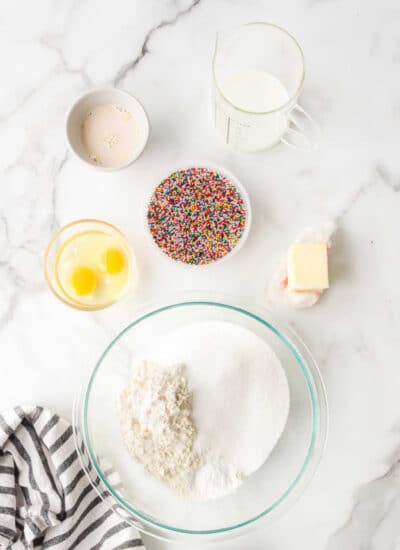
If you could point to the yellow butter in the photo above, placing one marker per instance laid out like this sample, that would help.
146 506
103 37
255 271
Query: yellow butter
308 266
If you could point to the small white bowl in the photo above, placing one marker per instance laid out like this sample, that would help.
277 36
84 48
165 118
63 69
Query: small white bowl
100 96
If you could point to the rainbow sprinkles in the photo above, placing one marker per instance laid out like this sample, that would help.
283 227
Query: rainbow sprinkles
197 216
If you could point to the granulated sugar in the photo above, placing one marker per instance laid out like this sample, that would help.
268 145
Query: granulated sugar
239 405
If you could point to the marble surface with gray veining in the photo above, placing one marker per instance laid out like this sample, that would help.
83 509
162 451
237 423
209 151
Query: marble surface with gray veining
160 51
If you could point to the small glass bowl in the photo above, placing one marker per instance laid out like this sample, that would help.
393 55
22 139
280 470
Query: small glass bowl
64 235
144 501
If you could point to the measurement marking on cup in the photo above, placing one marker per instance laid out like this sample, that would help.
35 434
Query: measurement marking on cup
228 126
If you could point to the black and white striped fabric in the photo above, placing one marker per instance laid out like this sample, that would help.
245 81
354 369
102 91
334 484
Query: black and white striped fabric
46 500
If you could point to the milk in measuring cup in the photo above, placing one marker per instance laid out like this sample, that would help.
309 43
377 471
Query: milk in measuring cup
254 93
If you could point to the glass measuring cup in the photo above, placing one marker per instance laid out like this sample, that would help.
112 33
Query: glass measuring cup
257 75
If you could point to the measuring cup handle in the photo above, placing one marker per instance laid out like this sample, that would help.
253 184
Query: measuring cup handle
303 133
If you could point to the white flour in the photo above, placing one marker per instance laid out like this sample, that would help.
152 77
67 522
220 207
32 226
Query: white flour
156 424
240 400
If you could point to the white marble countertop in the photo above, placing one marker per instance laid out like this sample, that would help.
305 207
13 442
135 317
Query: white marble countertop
160 51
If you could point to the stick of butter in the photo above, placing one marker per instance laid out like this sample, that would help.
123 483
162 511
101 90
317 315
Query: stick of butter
308 266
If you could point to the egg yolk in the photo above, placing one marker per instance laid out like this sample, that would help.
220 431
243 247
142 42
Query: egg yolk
83 281
114 261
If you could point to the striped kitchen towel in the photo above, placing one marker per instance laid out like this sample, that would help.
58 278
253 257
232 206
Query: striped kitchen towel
46 500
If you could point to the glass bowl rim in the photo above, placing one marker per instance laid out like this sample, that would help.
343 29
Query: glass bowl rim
316 417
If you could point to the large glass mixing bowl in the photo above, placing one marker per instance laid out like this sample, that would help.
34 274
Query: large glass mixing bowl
145 501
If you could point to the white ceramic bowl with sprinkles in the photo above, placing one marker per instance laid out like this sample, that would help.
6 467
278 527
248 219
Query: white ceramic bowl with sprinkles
199 215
